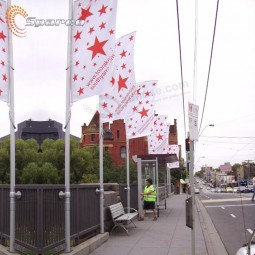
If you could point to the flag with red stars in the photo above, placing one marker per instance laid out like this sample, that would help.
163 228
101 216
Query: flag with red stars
158 140
114 105
93 44
173 149
139 120
4 55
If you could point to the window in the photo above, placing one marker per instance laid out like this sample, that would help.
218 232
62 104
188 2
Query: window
123 153
118 134
93 137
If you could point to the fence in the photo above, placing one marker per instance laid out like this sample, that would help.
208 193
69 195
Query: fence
40 219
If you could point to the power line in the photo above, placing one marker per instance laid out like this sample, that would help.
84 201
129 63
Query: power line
180 51
231 137
209 71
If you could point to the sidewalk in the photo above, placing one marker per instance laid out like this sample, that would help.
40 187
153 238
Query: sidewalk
166 236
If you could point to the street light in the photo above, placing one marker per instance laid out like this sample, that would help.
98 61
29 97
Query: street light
198 160
210 125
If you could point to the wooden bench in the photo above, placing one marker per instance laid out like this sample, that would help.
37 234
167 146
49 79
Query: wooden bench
120 218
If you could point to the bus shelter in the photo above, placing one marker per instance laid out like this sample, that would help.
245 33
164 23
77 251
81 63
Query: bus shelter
153 166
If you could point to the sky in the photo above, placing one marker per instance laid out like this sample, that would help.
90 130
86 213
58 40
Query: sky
40 75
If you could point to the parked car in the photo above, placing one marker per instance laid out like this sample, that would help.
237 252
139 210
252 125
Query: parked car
243 189
213 190
244 250
218 190
250 188
223 189
197 191
236 189
229 190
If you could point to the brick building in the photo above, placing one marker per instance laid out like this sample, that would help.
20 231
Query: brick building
115 139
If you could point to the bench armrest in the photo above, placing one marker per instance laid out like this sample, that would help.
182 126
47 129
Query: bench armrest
131 209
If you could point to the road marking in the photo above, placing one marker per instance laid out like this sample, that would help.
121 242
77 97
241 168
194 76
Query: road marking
232 215
250 231
226 200
222 206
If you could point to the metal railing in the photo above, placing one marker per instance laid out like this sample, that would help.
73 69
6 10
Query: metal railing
40 219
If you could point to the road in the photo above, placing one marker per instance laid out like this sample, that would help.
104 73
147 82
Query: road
233 215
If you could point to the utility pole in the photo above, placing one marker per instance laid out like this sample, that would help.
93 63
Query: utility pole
249 164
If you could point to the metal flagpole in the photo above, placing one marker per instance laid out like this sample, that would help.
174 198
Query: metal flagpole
128 178
67 193
101 174
12 144
191 178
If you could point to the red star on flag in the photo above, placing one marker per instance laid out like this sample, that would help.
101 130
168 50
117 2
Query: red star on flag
78 35
131 38
97 48
4 77
147 93
80 91
134 109
102 26
103 10
2 36
122 83
77 63
144 113
160 137
91 30
111 32
75 77
123 54
123 66
109 115
85 14
2 63
112 81
104 105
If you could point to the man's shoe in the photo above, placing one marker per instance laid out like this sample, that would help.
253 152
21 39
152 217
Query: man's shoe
155 218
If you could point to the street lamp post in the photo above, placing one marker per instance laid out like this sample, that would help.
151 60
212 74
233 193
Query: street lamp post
210 125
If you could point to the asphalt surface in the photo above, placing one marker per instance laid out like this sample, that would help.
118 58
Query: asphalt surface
233 215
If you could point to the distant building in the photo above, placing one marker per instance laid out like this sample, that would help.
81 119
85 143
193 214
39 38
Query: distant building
226 168
115 139
40 130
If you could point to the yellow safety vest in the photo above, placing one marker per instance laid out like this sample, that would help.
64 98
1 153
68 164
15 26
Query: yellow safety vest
153 196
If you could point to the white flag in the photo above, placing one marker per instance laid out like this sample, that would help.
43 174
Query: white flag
173 149
158 141
93 48
114 105
139 121
4 55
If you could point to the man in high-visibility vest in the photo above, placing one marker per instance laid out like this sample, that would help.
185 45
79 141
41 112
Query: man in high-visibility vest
149 196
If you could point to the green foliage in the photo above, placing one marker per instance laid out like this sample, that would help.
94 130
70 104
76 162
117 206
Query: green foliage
178 173
45 164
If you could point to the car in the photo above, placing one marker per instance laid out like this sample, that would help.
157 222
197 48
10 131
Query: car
229 190
213 190
223 189
236 189
250 188
197 191
218 190
244 250
208 188
243 189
